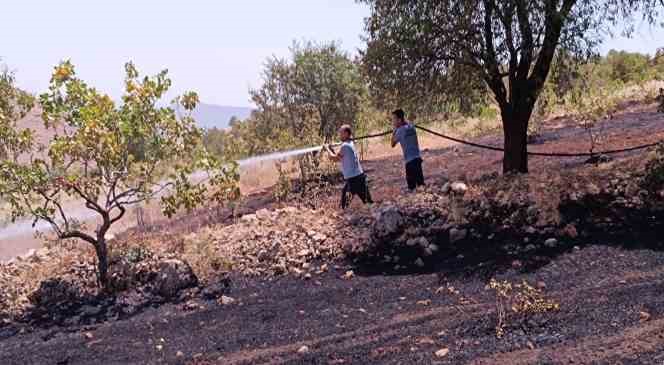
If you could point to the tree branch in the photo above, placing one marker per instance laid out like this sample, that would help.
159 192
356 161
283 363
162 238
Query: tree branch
494 79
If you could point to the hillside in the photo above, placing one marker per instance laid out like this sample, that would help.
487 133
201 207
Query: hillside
298 282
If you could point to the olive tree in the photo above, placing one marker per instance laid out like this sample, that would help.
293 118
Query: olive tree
108 157
415 45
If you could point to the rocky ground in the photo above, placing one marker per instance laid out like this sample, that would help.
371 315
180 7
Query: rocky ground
562 266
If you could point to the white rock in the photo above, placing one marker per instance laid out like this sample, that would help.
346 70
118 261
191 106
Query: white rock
303 350
442 352
419 262
459 188
551 242
225 300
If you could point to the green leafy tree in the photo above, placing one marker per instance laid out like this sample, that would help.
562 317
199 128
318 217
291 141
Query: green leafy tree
309 95
509 44
110 157
628 67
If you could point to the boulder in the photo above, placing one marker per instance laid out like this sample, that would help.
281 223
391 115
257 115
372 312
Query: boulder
388 222
172 277
53 293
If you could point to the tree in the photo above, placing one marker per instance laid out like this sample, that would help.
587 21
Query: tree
509 43
14 105
110 157
309 95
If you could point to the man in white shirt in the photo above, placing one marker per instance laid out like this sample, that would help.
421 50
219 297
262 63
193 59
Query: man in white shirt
356 180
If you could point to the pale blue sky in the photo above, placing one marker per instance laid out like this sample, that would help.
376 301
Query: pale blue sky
214 47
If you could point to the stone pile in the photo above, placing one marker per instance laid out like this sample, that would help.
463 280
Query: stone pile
290 240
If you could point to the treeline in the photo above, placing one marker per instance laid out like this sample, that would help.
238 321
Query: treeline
305 97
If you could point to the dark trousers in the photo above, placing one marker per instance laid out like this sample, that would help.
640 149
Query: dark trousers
355 186
414 174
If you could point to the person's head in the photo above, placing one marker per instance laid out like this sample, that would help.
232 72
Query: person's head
345 132
398 118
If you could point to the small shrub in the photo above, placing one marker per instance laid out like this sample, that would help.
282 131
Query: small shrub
283 188
137 254
522 300
202 253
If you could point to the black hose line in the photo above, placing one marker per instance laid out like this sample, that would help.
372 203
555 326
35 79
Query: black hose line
498 149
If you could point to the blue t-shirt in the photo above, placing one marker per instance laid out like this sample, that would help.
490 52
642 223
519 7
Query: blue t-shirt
350 163
407 138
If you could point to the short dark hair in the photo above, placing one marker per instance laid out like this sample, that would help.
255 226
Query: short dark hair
399 114
346 128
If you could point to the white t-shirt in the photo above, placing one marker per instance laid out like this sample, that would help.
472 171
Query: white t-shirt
350 163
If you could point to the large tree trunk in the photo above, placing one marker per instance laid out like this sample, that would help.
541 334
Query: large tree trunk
515 131
101 249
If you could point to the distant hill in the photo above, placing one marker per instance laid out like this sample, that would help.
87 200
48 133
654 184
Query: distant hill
210 115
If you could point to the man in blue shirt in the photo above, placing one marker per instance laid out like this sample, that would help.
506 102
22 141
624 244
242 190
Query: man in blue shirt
405 134
356 180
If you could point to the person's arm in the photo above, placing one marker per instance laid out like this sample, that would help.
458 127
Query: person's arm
334 156
395 138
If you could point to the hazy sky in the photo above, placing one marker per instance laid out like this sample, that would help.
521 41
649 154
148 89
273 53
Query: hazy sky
215 47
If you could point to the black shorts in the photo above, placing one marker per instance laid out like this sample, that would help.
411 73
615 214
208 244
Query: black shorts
414 174
355 186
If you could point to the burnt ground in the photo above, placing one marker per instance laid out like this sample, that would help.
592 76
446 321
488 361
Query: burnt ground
609 288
